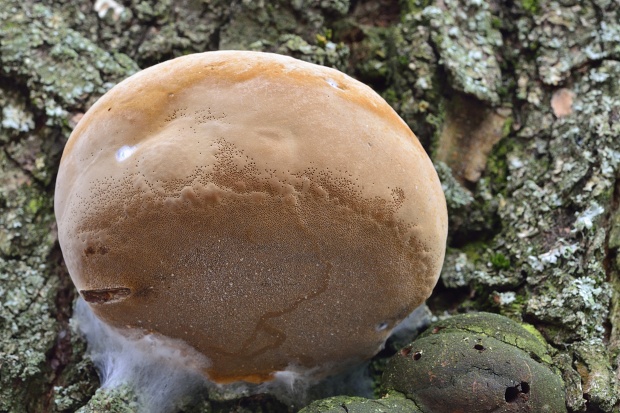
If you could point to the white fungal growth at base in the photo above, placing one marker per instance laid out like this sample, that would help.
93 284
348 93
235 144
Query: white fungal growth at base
162 372
102 7
297 387
165 374
125 152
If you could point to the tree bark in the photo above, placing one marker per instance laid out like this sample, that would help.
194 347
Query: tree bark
517 103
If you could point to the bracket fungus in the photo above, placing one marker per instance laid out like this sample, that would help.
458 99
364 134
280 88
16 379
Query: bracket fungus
270 213
477 363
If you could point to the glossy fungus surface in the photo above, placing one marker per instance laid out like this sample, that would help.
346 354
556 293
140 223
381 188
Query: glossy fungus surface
270 213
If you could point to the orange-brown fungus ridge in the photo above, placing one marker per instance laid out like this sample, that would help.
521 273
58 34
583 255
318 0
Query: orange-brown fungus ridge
268 212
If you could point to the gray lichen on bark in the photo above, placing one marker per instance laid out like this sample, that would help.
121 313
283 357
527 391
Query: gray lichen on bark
534 229
48 74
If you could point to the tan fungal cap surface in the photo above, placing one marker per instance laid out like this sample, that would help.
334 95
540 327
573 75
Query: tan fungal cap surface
268 212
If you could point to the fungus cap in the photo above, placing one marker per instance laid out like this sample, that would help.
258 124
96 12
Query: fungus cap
268 212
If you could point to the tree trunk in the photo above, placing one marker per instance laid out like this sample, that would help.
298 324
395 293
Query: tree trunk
517 102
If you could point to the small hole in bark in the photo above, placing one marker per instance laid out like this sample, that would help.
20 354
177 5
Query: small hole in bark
417 355
479 347
512 393
405 352
525 387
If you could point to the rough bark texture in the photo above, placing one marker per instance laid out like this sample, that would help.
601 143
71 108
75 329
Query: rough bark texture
518 103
